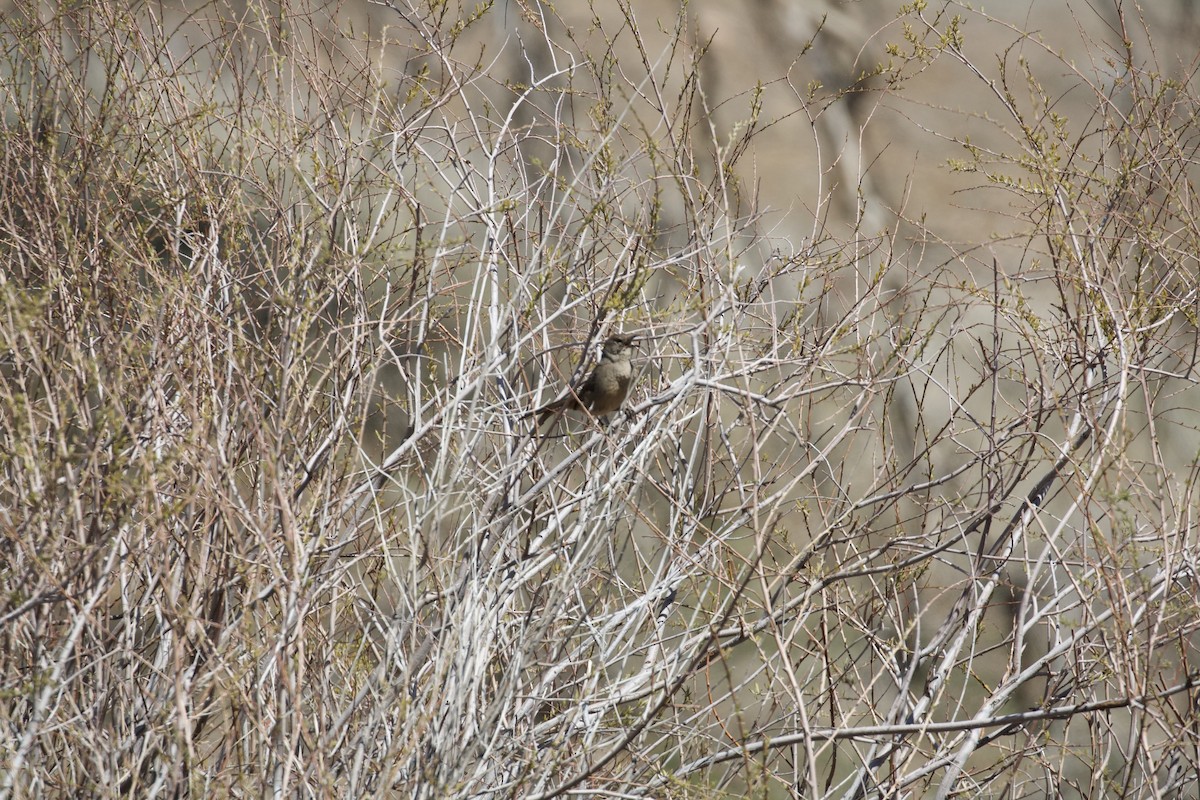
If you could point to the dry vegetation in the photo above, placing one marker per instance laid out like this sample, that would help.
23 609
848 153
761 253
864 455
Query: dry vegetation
884 517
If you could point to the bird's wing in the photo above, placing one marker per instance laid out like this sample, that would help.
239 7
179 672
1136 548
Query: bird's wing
585 384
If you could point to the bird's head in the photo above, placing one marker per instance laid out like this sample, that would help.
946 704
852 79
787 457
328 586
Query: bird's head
616 345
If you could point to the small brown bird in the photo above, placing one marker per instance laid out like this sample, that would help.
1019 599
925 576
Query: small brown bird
604 390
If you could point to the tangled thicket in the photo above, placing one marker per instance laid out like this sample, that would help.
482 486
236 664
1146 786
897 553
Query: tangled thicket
883 515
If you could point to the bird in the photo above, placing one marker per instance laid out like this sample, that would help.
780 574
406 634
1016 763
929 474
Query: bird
603 391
